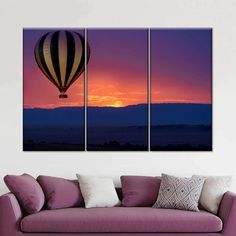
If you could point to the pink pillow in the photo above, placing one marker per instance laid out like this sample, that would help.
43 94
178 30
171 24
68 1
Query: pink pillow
140 191
27 191
61 193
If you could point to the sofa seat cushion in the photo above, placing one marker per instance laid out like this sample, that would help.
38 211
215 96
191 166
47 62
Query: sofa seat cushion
120 219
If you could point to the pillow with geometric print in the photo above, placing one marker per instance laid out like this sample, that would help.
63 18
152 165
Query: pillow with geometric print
179 192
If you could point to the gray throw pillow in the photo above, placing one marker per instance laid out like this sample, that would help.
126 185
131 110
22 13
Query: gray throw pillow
212 192
179 193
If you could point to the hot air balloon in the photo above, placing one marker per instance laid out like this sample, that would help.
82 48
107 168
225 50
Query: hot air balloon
61 57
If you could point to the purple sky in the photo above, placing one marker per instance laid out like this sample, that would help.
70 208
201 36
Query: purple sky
117 69
38 90
181 65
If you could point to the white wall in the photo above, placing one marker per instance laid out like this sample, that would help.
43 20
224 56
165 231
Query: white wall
219 14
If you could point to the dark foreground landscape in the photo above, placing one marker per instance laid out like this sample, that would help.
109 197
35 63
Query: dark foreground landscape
53 137
174 127
122 138
181 138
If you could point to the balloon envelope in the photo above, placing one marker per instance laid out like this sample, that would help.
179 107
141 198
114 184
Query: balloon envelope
61 57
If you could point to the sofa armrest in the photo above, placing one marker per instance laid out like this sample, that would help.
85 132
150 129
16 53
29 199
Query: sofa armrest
10 215
227 213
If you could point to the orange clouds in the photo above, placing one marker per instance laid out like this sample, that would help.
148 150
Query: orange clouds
167 90
39 92
109 90
106 89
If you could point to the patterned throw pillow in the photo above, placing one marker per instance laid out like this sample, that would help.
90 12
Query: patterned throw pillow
179 193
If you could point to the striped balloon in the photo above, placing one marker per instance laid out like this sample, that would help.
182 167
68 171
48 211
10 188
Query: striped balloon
61 55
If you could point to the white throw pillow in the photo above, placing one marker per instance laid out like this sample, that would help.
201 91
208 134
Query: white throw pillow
98 192
212 192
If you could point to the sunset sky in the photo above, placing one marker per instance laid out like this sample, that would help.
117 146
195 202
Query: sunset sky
38 90
181 66
117 70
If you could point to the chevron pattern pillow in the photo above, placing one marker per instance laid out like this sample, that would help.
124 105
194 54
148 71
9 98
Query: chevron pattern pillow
179 193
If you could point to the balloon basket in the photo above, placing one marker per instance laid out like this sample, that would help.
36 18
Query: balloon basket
63 96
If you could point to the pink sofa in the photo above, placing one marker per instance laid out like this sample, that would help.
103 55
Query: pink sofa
118 221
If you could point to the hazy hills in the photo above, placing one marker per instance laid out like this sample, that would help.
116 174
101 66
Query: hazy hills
134 115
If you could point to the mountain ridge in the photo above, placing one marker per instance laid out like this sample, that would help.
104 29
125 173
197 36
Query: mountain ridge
135 105
132 115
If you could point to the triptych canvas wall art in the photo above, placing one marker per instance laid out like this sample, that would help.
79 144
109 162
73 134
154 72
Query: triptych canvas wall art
117 89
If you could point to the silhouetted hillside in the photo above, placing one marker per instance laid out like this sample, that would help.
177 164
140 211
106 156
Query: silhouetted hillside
135 115
173 127
181 114
56 116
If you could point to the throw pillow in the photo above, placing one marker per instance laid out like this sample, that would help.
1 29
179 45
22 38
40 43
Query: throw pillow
27 191
61 193
213 191
139 191
180 193
98 192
